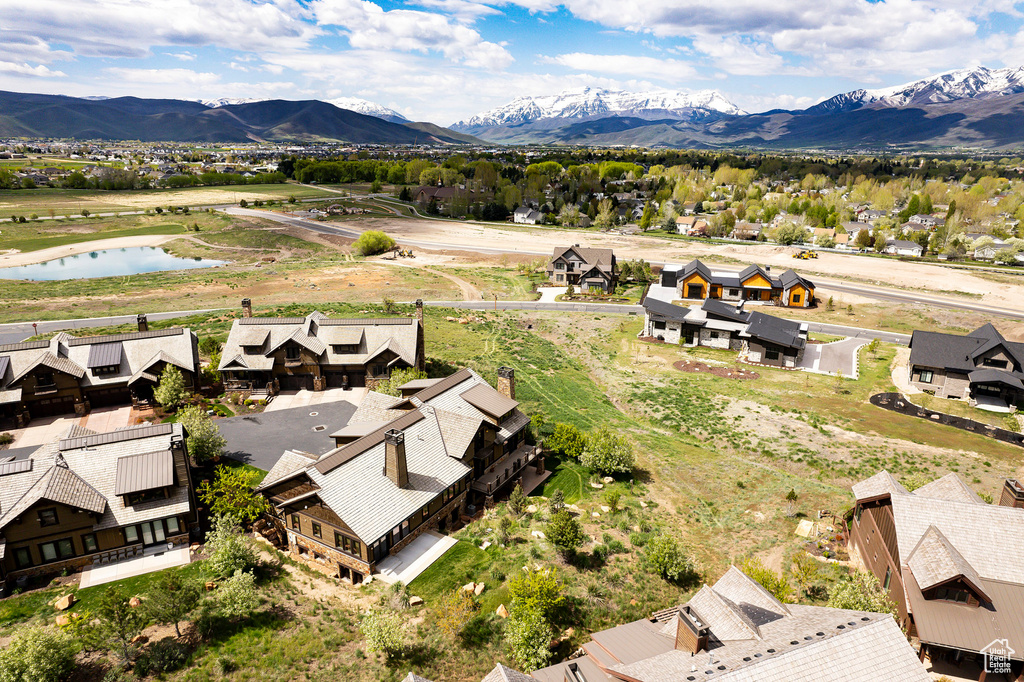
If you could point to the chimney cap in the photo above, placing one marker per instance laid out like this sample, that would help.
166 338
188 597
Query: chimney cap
394 436
140 316
246 301
506 372
419 302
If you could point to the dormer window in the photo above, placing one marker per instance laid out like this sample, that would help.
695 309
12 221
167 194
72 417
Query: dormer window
105 370
345 348
291 352
45 380
995 362
954 595
48 517
251 350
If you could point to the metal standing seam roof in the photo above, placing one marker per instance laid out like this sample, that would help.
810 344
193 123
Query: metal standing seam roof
129 336
24 345
104 355
116 436
369 321
16 466
443 385
489 400
270 320
145 471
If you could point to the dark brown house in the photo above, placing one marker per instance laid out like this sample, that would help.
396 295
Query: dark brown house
951 562
414 465
316 352
69 374
91 498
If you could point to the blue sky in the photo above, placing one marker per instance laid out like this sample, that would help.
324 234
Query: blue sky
446 60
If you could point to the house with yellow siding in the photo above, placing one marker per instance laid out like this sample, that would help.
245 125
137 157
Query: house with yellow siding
695 280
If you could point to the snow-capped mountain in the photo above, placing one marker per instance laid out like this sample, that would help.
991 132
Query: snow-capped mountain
977 83
230 101
362 106
591 102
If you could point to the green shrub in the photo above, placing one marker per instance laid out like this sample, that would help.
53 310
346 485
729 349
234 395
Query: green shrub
566 440
372 242
163 656
608 453
6 439
664 555
37 655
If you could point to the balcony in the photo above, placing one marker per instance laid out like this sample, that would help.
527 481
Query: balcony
505 469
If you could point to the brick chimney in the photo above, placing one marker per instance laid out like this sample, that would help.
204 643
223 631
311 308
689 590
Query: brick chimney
395 467
691 631
143 323
507 382
246 308
419 309
1013 494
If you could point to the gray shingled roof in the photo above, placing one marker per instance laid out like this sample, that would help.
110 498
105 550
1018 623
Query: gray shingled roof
935 561
949 487
775 330
666 310
882 483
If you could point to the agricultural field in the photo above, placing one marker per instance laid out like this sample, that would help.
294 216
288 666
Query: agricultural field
43 200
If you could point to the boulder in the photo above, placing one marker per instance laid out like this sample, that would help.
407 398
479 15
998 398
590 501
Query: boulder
135 602
469 587
605 508
608 479
65 602
502 611
596 485
479 589
415 601
643 504
532 508
140 639
595 515
367 580
211 586
537 534
194 548
63 620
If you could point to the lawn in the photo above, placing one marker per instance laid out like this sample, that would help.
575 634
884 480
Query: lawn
569 477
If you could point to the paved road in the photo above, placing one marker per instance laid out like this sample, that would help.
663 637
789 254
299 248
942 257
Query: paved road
19 331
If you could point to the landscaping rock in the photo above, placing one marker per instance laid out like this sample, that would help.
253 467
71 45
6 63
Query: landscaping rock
502 611
211 586
469 587
532 508
479 589
140 639
538 534
415 601
63 621
194 548
595 515
643 504
367 580
135 602
605 508
608 479
65 602
596 485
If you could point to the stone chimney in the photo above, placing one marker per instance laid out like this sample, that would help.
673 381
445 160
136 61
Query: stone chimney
395 467
507 382
246 308
1013 494
143 323
768 269
419 309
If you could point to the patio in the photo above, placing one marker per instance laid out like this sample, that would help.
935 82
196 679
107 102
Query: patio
415 558
100 574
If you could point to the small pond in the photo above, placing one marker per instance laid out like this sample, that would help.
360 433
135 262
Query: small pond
107 263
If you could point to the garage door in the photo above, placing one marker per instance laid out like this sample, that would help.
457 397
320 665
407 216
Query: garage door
49 407
296 382
104 397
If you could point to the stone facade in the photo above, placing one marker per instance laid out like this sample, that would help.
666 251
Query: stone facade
758 353
943 384
713 338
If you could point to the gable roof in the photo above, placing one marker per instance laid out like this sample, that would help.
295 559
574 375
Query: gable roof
725 311
882 484
791 278
960 352
950 487
694 266
666 310
935 561
483 397
776 330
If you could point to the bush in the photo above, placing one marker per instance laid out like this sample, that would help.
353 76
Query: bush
537 590
37 655
372 242
769 579
527 636
383 630
566 440
6 439
170 392
664 555
237 596
608 453
204 439
557 501
164 656
565 532
230 550
232 493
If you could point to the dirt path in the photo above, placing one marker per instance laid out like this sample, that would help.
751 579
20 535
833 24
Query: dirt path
469 292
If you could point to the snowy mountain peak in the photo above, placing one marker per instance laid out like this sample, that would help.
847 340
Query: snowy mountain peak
362 106
975 83
230 101
588 102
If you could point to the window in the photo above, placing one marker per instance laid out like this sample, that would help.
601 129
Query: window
926 376
48 517
993 362
559 278
146 496
734 293
888 578
291 352
89 543
949 594
109 369
58 549
131 534
22 557
295 521
172 525
317 531
659 324
713 335
45 380
345 348
859 511
380 370
771 354
796 298
559 266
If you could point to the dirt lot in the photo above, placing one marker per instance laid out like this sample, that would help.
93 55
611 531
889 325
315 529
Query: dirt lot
933 278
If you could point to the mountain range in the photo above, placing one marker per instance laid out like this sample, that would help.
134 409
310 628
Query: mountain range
159 120
974 108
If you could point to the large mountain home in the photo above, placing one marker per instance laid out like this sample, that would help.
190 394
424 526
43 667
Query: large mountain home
736 631
982 367
589 269
316 352
405 465
761 338
754 283
94 498
75 374
499 673
952 563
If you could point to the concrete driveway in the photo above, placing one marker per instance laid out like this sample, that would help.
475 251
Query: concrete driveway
261 439
48 429
289 399
832 358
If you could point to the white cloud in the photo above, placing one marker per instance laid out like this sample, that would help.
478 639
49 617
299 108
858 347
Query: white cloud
22 69
466 10
668 70
182 78
183 56
369 27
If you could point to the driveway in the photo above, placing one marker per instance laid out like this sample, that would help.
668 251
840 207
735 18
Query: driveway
286 400
261 439
832 358
48 429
